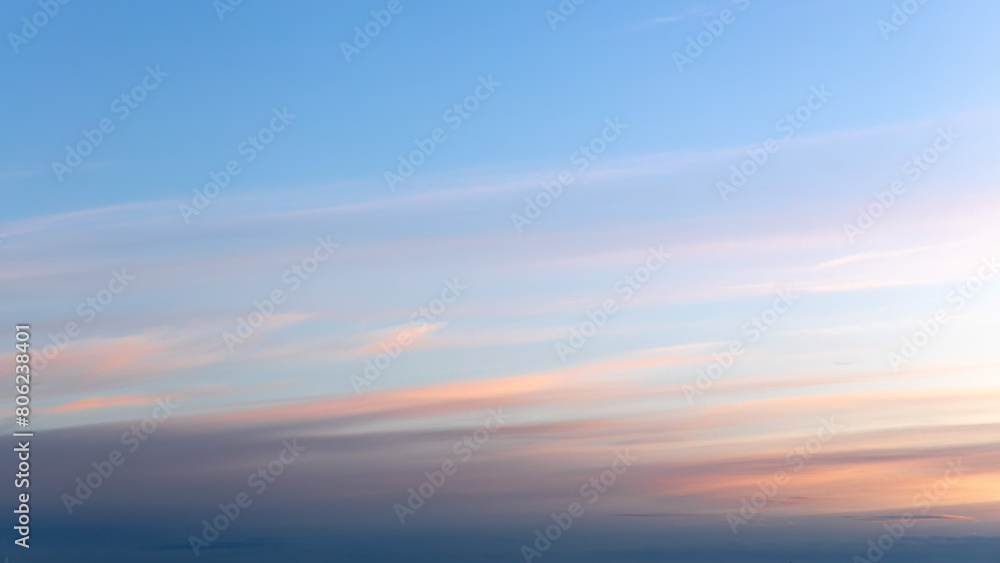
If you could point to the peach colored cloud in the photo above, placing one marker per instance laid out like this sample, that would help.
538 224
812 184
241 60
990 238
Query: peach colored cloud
129 400
393 334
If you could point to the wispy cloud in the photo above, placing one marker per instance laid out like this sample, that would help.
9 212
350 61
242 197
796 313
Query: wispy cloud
696 10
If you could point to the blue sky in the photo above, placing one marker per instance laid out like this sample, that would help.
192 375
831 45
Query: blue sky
605 60
592 313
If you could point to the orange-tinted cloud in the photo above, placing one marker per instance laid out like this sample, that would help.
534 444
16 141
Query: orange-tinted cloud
129 400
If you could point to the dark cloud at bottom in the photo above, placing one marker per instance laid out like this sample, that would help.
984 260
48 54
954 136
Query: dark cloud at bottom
321 510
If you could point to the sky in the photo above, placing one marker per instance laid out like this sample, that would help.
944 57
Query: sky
685 281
